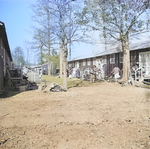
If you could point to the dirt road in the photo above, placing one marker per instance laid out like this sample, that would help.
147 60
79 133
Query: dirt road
103 116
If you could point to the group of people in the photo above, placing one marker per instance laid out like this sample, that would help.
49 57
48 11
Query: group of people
72 72
134 68
75 72
115 72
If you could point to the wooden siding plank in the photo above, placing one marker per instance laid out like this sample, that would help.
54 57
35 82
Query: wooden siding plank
1 72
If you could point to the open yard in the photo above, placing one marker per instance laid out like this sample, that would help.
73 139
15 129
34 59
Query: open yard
101 116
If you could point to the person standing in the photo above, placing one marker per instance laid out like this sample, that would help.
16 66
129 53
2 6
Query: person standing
93 74
78 73
115 72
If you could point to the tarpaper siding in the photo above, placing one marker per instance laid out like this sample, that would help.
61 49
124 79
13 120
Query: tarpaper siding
5 55
1 68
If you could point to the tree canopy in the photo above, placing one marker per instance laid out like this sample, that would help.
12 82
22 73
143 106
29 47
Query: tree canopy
117 20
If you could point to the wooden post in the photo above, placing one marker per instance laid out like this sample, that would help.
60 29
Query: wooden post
65 73
61 60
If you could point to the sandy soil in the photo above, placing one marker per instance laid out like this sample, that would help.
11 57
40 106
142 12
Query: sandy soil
103 116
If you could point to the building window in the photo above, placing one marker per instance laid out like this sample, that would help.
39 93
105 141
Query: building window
104 60
144 58
77 64
70 65
112 59
94 61
121 57
73 64
148 56
84 63
89 62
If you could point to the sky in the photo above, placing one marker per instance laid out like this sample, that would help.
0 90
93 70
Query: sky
16 15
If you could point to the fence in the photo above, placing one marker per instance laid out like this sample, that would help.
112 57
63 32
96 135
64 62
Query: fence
34 77
34 74
142 72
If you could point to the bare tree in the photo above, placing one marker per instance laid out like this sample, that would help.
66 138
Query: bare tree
67 31
29 50
43 32
56 26
39 44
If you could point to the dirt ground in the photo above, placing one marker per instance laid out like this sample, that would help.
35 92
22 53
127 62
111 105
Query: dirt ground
102 116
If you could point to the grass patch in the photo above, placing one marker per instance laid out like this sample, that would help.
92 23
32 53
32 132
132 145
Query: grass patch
12 93
70 82
145 86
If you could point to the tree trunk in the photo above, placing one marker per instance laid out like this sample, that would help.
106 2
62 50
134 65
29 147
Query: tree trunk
41 51
65 73
61 60
49 68
126 60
